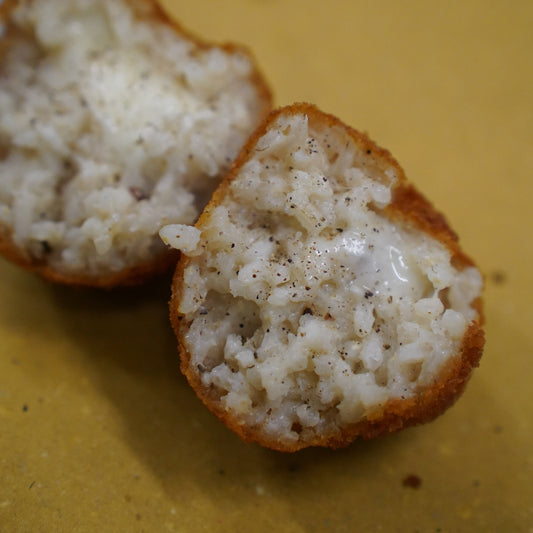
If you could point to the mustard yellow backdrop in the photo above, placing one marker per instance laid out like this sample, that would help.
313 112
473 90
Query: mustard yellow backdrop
100 432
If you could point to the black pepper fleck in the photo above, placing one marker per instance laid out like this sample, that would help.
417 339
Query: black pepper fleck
46 247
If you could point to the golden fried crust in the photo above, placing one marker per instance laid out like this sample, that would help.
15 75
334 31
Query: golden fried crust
131 276
407 206
137 274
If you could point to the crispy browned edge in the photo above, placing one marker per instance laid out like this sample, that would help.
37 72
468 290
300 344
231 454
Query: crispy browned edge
163 262
408 207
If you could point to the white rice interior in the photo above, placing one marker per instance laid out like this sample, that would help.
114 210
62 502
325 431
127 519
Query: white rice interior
309 309
112 125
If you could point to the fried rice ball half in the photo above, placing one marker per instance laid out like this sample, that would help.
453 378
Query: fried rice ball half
114 121
320 297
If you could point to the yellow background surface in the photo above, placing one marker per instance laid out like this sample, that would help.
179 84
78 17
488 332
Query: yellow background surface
100 432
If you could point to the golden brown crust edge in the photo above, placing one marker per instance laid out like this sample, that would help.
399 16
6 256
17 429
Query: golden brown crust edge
408 206
131 276
163 262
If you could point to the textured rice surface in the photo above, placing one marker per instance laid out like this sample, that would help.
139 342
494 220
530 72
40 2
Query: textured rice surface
320 297
113 122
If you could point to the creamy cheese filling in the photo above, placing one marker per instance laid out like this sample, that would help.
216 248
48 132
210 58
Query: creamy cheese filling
308 307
